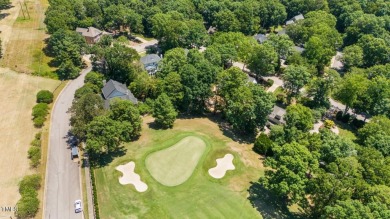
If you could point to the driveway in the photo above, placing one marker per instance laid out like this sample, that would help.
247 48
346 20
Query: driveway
63 182
140 48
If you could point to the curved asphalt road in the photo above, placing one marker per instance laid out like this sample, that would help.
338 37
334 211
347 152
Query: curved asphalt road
63 183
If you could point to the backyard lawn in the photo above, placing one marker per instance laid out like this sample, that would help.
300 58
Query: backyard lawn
197 196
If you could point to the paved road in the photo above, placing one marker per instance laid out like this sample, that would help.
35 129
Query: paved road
62 174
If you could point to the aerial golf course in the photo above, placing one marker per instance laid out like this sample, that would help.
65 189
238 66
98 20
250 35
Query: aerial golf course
174 165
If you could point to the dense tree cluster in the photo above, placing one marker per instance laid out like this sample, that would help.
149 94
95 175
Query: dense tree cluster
327 175
103 130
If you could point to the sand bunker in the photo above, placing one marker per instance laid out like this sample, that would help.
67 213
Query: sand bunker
130 177
223 164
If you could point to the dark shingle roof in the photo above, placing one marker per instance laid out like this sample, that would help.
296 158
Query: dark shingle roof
151 58
111 86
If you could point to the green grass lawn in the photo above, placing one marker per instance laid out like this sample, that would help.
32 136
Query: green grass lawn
200 196
174 165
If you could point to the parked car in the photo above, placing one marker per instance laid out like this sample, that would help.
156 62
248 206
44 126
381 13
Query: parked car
77 206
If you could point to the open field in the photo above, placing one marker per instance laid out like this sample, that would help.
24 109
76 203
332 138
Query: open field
18 97
173 165
201 196
24 45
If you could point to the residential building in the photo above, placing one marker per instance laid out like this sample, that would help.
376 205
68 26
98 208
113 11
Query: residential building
91 34
113 89
150 63
295 19
277 115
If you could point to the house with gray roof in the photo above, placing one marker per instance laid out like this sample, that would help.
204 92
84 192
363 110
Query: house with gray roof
150 63
92 35
277 115
113 89
295 19
260 38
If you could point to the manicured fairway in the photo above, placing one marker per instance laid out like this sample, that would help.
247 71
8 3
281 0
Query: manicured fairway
174 165
200 196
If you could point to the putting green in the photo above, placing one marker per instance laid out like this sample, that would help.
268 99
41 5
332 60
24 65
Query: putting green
174 165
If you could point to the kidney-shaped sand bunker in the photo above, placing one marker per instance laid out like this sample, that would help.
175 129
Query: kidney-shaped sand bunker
174 165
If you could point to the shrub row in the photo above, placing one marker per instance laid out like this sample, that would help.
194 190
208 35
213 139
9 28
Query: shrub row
45 96
28 204
39 113
41 109
34 153
95 200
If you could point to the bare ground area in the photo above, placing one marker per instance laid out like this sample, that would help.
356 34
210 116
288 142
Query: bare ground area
23 34
17 99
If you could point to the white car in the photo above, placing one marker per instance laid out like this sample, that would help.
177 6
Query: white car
77 206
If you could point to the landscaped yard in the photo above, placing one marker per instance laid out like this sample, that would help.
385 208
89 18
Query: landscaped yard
18 95
199 196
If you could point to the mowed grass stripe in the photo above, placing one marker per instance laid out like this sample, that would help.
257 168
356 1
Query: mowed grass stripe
174 165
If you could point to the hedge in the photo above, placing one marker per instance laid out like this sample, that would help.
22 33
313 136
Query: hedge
34 153
30 181
95 200
40 110
28 205
44 96
39 121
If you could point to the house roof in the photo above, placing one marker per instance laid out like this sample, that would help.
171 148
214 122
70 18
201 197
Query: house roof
299 49
298 17
151 58
112 86
260 38
289 22
89 32
295 19
276 115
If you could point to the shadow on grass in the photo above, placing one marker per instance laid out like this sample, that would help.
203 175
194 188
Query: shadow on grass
268 204
227 130
155 126
103 160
